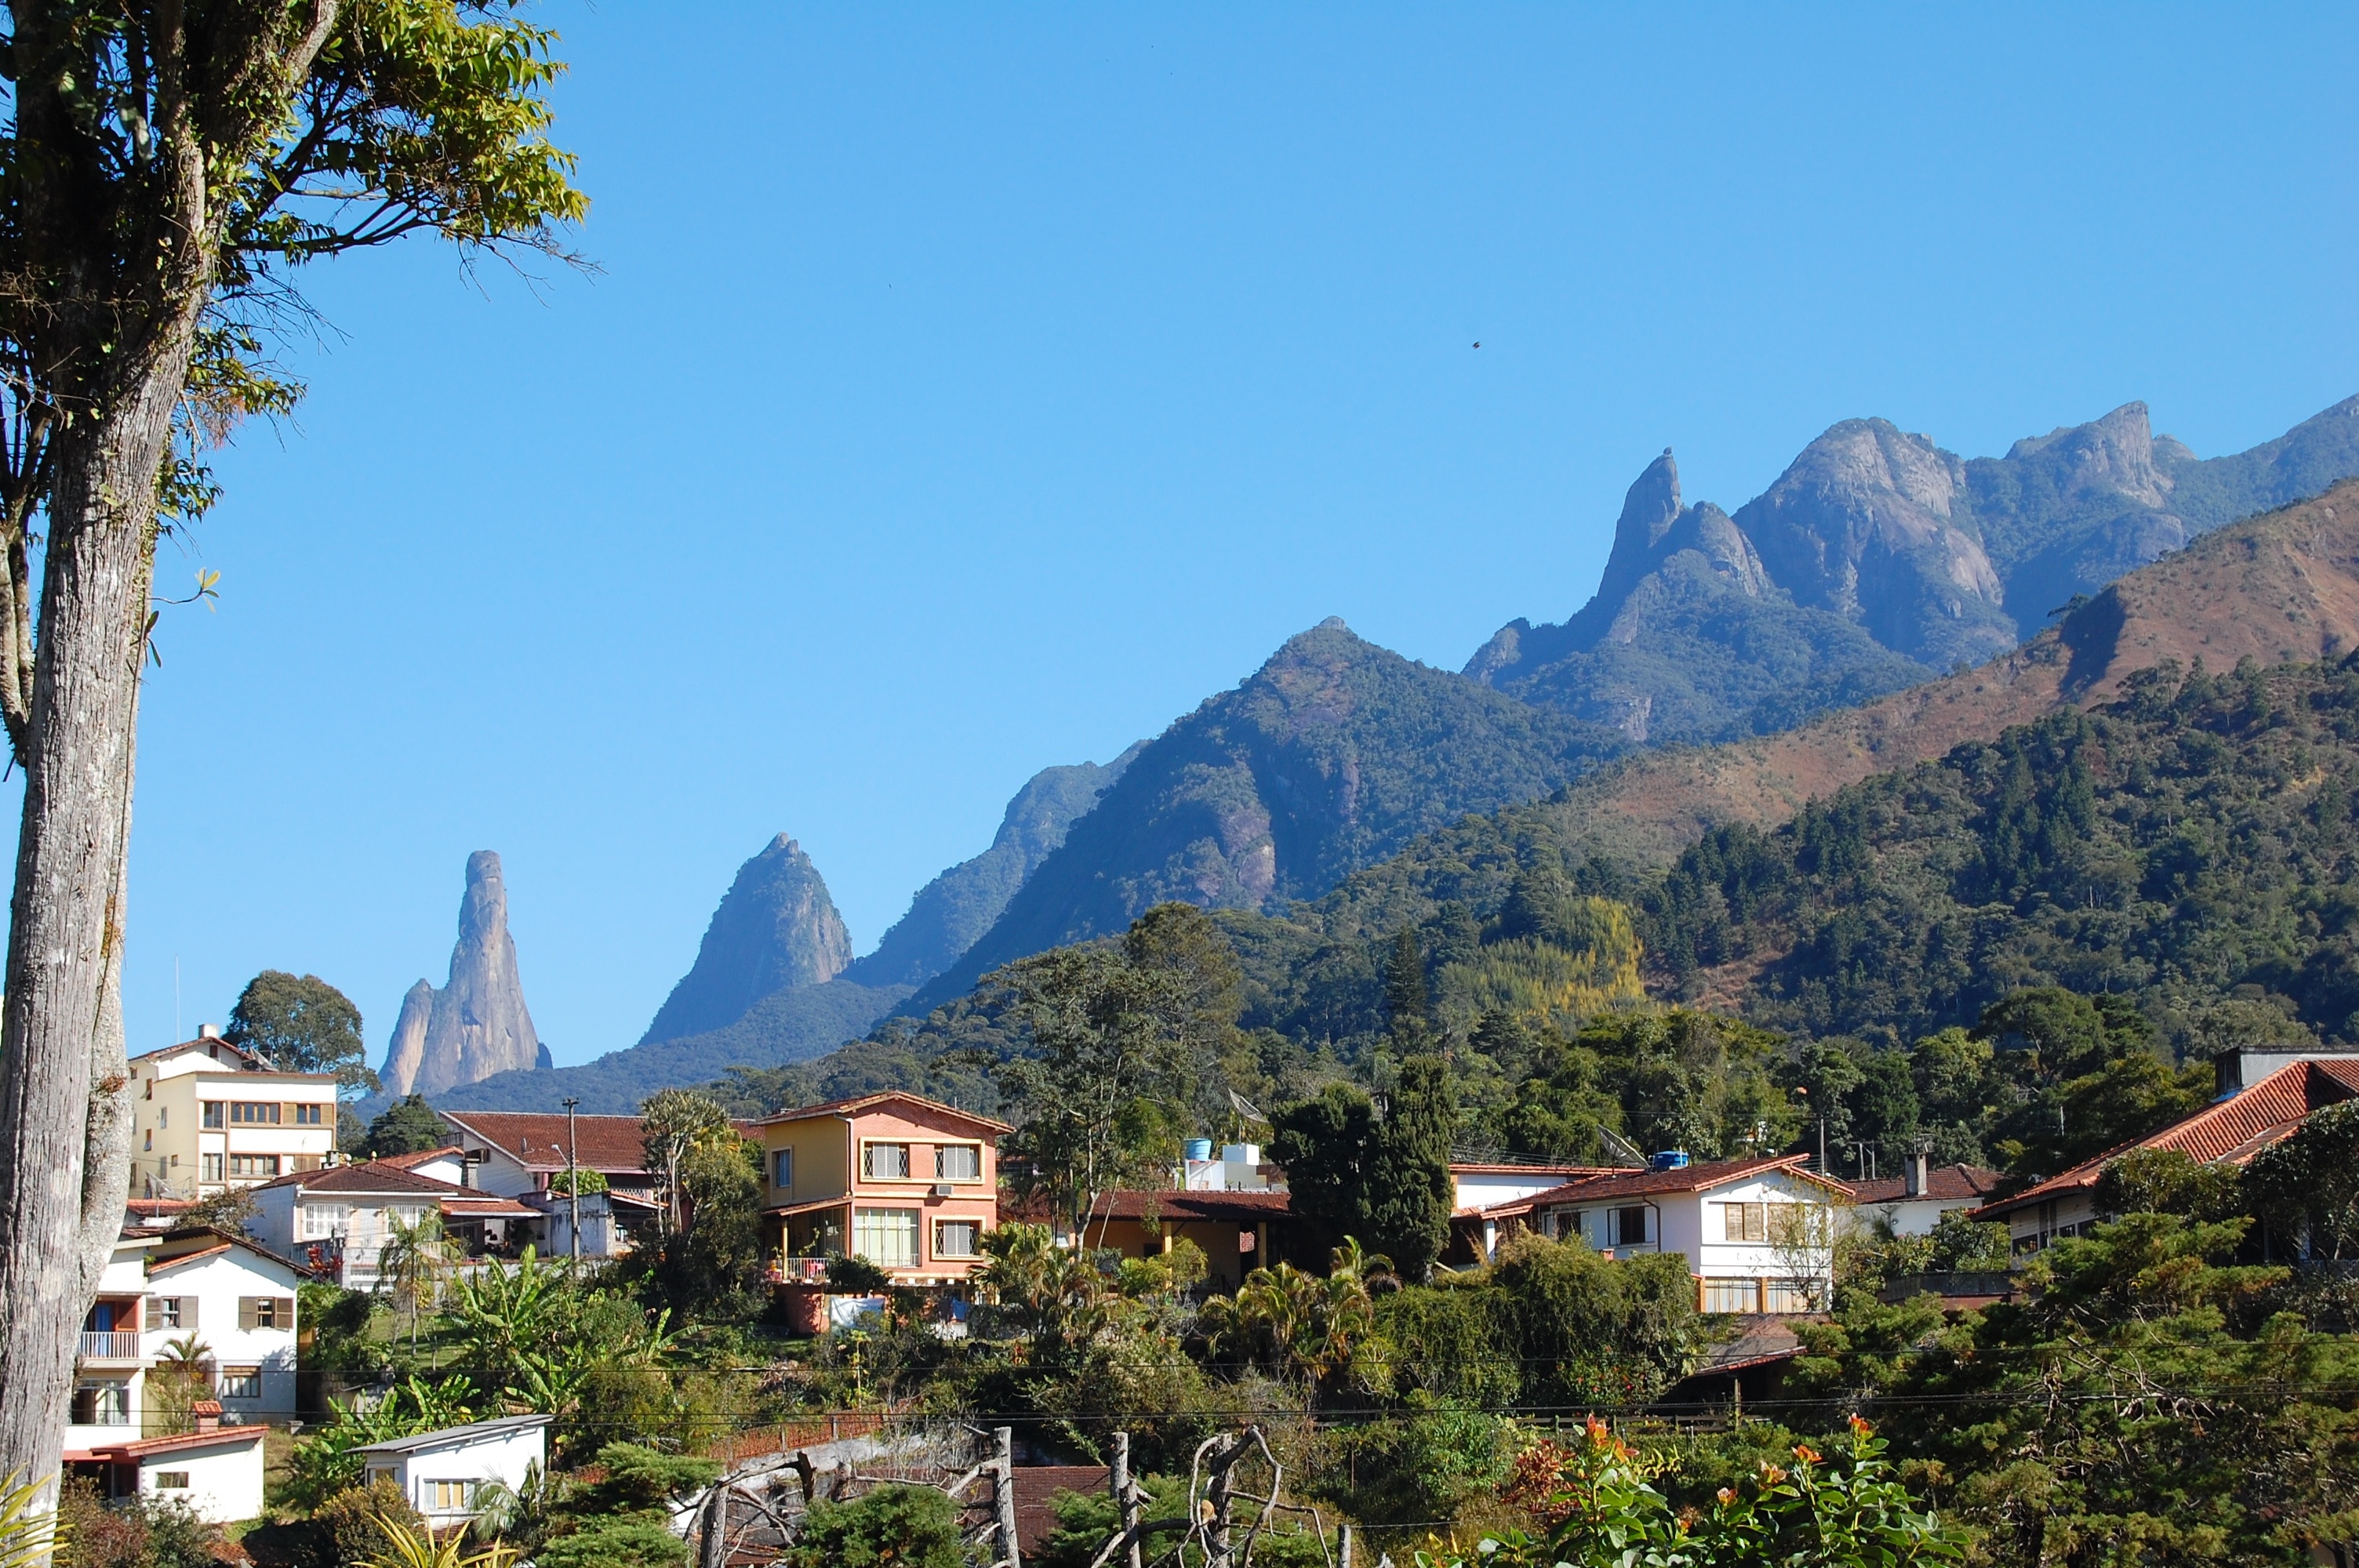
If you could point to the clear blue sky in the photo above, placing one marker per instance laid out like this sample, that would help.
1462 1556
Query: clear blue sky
967 390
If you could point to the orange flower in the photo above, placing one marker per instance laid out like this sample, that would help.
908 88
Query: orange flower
1727 1495
1859 1427
1806 1454
1771 1475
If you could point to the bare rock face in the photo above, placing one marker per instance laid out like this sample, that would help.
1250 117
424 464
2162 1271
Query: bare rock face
477 1024
777 930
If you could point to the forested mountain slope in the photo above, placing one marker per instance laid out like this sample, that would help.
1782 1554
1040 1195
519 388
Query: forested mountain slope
1331 756
2192 841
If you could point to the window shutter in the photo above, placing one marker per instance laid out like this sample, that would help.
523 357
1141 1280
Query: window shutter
188 1314
247 1313
155 1310
287 1313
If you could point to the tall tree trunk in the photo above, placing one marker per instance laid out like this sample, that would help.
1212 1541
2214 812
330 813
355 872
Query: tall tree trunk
65 1108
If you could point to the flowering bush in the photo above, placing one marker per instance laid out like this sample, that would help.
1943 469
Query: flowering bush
1601 1510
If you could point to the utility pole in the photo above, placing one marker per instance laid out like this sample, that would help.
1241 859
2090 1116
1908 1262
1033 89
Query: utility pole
573 1183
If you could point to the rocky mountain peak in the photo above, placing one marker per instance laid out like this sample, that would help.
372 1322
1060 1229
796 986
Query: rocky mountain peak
2114 455
476 1024
777 928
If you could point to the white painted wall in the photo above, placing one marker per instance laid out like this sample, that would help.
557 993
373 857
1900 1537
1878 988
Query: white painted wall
497 1457
224 1483
1692 1225
218 1283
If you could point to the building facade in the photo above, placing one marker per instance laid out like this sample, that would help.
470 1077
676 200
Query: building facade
337 1221
208 1116
443 1474
1758 1235
907 1183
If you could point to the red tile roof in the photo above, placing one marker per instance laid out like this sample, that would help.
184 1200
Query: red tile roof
609 1144
862 1102
1647 1183
147 1447
369 1176
1943 1184
412 1161
2232 1129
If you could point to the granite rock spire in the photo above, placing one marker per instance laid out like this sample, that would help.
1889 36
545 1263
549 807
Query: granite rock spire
476 1024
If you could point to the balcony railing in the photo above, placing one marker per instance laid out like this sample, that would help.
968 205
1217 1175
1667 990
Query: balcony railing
798 1271
110 1345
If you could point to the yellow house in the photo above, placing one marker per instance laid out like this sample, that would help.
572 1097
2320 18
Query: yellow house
208 1116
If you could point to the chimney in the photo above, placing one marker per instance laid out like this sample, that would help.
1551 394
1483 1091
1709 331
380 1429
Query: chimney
208 1413
1917 1174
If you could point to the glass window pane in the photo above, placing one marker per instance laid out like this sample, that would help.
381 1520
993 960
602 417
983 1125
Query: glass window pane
957 1162
885 1235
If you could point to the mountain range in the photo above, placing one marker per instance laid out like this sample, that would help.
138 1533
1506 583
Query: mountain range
1807 632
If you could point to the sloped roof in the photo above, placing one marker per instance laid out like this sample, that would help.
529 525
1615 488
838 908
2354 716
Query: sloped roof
1244 1208
1943 1184
858 1103
179 1246
1605 1188
411 1161
2232 1129
456 1437
187 1441
537 1139
369 1176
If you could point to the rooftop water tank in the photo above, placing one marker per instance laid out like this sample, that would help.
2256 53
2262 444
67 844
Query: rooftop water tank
1669 1160
1198 1148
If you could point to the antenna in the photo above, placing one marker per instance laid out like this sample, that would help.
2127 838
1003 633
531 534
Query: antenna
1618 1149
176 998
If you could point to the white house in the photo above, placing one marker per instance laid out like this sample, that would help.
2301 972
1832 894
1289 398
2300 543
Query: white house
234 1304
1475 1185
442 1473
338 1220
207 1115
1758 1235
1916 1201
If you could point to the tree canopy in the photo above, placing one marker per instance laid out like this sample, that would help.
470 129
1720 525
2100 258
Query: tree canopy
302 1024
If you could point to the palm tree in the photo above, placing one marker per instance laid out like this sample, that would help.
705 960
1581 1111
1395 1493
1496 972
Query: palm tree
183 1375
411 1264
1312 1328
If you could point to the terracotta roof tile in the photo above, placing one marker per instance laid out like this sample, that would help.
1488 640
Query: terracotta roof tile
862 1102
1644 1183
1246 1209
368 1176
609 1144
1942 1184
2232 1129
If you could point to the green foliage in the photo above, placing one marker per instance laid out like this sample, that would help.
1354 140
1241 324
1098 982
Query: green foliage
1591 1331
1307 1328
409 1126
353 1522
323 1463
853 1275
638 1478
714 1261
2167 849
1419 1465
564 1183
2164 1180
1407 1195
635 1541
1452 1342
913 1526
1085 1520
143 1530
302 1024
1604 1511
2307 1188
1326 1145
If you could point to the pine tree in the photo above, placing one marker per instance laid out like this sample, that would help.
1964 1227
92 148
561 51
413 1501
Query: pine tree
1406 1183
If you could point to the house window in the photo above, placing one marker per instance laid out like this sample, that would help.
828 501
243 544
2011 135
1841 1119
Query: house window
309 1115
888 1161
266 1311
1732 1295
102 1404
1790 1295
451 1496
887 1235
212 1116
253 1165
322 1220
782 1170
241 1383
388 1477
172 1480
1630 1226
957 1238
1744 1222
253 1112
212 1168
149 1147
168 1313
958 1162
1789 1224
163 1114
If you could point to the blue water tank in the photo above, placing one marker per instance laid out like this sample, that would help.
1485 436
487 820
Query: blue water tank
1669 1160
1198 1148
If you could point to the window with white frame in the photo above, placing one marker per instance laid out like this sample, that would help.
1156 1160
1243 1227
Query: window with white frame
888 1162
241 1382
322 1220
1790 1295
211 1167
172 1480
888 1236
958 1162
1732 1295
782 1170
102 1404
451 1496
957 1238
1630 1226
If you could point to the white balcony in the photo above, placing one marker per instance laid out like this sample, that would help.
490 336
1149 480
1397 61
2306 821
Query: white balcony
116 1344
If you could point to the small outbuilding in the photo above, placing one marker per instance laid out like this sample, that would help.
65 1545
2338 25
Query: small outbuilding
443 1473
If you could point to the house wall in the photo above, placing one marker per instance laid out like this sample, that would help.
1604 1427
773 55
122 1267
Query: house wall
224 1484
822 1165
830 1159
2042 1225
1694 1225
503 1457
1911 1216
171 1142
217 1284
1226 1263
